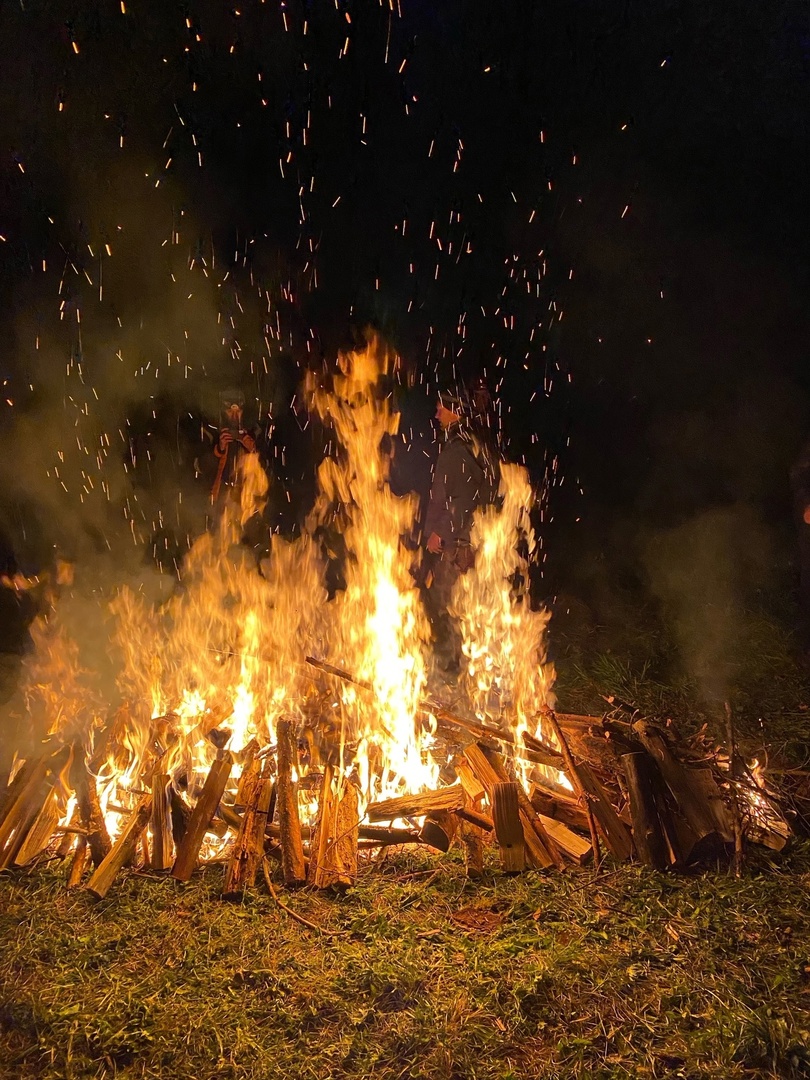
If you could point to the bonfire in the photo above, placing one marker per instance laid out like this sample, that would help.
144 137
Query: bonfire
258 723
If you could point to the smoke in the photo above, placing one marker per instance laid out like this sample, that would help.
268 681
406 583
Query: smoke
704 573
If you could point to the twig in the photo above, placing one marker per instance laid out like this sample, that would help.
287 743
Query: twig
294 914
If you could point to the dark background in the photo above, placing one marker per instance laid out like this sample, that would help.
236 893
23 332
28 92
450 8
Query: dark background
601 206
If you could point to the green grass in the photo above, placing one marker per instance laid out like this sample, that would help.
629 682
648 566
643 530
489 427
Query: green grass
625 974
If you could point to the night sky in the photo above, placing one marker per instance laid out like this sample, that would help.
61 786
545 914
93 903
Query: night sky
600 206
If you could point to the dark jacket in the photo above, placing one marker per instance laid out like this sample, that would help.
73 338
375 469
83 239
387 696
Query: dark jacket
800 480
459 486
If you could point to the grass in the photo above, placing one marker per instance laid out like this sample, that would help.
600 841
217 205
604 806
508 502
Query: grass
625 973
423 974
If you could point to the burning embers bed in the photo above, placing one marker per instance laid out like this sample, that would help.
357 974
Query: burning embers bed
223 743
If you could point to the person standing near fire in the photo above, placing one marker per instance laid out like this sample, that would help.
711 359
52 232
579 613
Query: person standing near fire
233 442
800 483
465 477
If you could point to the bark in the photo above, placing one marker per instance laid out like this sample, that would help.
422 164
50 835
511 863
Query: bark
248 850
648 834
695 791
292 851
84 784
449 798
375 835
333 853
563 808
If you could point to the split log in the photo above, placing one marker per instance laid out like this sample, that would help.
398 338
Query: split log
122 851
27 806
597 805
648 834
554 804
180 814
333 854
439 830
161 826
78 864
489 770
473 840
84 784
74 827
292 851
508 827
201 816
473 788
576 847
616 833
695 790
404 806
248 850
21 777
41 832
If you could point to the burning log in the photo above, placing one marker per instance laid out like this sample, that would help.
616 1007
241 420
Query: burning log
25 809
489 770
40 833
405 806
180 815
508 827
12 790
648 834
201 816
161 855
84 784
333 853
292 851
78 864
122 851
249 847
695 790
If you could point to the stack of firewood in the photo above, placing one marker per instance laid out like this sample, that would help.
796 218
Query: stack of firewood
628 788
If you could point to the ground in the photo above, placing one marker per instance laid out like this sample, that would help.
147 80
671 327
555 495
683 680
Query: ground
419 972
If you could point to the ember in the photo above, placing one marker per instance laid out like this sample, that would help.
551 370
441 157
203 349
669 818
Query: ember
227 745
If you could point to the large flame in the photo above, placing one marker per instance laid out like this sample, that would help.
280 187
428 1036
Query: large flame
222 659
